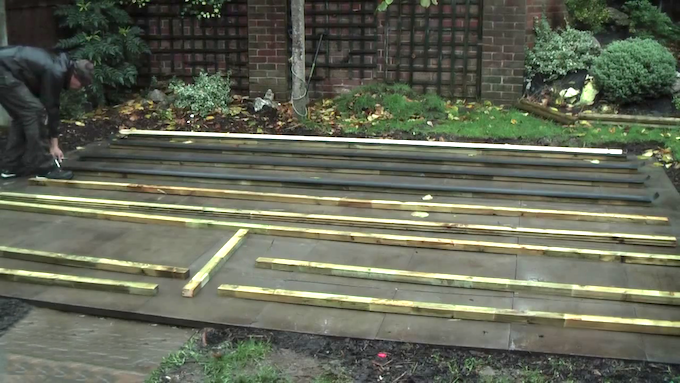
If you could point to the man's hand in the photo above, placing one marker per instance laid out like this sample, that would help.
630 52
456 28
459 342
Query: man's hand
55 151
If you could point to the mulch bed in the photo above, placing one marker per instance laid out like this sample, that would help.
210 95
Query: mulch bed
409 362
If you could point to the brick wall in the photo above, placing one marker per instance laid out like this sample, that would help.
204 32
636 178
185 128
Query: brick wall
267 47
554 10
504 34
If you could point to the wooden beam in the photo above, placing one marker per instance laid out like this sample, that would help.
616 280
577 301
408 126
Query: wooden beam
528 194
94 263
545 112
372 169
108 285
472 282
355 202
353 221
440 310
369 141
201 278
494 162
353 237
666 122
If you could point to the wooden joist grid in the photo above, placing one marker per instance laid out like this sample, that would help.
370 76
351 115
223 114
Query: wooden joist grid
602 198
356 202
201 278
578 165
108 285
440 310
94 263
355 237
383 144
472 282
353 221
373 168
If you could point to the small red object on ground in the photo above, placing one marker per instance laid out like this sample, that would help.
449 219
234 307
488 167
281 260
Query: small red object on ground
382 355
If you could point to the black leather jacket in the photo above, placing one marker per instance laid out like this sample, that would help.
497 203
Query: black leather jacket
45 74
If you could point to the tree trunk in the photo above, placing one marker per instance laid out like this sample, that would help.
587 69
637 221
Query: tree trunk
299 91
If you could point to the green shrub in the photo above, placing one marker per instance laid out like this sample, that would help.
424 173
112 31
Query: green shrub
648 21
208 94
399 100
103 33
676 102
634 69
73 104
590 13
559 52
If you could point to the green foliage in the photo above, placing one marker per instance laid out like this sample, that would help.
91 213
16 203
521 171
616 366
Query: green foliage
384 4
591 13
634 69
102 32
676 102
208 94
396 101
73 104
559 52
648 21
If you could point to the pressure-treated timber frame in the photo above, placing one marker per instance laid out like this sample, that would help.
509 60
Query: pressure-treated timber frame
372 155
201 278
368 186
380 169
472 282
355 237
379 143
353 221
440 310
355 202
108 285
94 263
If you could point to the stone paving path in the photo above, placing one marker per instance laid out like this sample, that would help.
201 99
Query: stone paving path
56 347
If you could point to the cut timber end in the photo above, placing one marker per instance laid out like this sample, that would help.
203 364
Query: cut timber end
108 285
634 325
352 221
472 282
355 203
347 236
320 139
94 263
203 276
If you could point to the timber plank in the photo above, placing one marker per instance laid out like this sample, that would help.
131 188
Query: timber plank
108 285
379 142
347 236
472 282
353 221
202 277
355 202
94 263
479 313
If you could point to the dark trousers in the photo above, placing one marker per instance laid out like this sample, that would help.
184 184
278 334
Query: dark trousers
28 139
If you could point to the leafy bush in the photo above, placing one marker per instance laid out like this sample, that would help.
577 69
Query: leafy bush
648 21
208 94
676 102
73 104
398 101
557 53
592 14
634 69
104 34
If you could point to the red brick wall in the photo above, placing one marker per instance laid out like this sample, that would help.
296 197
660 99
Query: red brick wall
503 59
554 10
267 47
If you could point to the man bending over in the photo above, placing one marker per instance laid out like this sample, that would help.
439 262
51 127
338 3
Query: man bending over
31 81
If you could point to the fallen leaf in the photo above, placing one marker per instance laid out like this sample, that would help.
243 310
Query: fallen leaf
420 214
235 110
260 131
648 153
595 161
210 118
513 121
430 123
79 123
657 164
427 197
612 130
